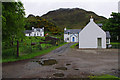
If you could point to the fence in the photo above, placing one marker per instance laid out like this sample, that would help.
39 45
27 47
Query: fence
27 48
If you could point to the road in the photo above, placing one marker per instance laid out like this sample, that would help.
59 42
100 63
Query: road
70 63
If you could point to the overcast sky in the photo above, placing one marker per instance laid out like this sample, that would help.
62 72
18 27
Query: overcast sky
100 7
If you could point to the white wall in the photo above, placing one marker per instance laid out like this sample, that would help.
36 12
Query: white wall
66 36
26 34
36 33
75 37
70 36
108 42
88 36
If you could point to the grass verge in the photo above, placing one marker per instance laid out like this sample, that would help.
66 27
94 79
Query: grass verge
115 45
104 77
114 42
32 55
73 46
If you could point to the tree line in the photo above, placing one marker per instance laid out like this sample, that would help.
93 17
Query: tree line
113 26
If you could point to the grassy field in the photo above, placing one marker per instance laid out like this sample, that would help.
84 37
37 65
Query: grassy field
32 55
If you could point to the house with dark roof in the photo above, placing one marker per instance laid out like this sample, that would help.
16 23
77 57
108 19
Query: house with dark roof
71 35
91 36
35 32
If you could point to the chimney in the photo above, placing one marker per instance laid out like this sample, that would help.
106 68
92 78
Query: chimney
65 29
32 28
91 19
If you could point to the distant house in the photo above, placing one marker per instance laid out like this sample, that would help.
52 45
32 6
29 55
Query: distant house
35 32
71 35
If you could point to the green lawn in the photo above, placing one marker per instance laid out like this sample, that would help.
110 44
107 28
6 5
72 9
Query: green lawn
114 42
104 77
32 55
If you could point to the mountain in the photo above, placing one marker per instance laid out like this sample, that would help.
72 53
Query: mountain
72 18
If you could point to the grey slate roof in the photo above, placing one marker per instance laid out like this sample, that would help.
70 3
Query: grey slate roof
108 36
72 31
38 29
28 31
100 25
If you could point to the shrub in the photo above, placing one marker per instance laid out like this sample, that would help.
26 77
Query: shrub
9 52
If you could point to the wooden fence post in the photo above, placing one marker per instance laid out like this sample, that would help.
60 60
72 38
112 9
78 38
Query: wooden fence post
17 48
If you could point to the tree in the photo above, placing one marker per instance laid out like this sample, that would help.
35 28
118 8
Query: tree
113 25
13 22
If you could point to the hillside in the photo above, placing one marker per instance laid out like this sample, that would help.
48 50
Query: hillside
39 22
71 18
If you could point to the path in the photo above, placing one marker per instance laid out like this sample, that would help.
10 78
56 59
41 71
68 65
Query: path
70 63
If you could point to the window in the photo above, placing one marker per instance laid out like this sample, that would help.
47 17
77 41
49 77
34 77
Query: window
40 34
37 34
67 38
34 34
68 33
99 42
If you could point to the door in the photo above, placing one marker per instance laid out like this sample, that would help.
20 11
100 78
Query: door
99 42
73 39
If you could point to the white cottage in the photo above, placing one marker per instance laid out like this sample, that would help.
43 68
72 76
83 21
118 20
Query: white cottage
71 35
35 32
92 36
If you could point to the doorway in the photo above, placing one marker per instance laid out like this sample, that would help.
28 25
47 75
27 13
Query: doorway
99 42
73 39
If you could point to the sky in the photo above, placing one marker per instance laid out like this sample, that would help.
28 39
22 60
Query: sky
41 7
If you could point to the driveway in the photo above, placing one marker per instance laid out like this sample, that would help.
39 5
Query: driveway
66 63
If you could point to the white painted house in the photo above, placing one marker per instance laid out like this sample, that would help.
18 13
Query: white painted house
92 36
35 32
71 35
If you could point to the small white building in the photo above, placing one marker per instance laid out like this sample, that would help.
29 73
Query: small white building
35 32
71 35
92 36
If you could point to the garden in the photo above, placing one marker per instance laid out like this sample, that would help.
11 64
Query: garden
29 48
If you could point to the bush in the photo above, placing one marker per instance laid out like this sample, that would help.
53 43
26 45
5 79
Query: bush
26 49
39 47
9 52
